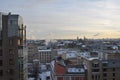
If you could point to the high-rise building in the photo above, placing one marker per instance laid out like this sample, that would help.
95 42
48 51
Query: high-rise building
13 50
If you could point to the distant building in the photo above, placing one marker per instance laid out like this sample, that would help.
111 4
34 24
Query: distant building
32 52
46 56
13 50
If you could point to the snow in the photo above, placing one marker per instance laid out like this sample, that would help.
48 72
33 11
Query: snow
70 55
31 78
44 75
47 50
92 58
76 70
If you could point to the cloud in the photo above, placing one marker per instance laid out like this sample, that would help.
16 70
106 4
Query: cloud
63 18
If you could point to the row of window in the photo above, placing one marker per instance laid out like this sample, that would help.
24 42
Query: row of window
105 69
10 71
105 74
108 79
11 62
96 77
103 64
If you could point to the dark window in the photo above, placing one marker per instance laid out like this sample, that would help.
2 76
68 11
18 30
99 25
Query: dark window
11 61
1 52
95 70
92 76
0 42
11 51
10 79
104 69
113 69
113 78
104 75
113 74
1 63
1 72
95 65
113 62
11 71
105 64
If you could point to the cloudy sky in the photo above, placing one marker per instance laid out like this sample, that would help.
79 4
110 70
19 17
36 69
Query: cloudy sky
50 19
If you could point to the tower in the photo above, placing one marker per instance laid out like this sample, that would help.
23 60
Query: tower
13 61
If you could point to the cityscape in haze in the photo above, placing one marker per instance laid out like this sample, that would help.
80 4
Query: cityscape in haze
59 40
59 19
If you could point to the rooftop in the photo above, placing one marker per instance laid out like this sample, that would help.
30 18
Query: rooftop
46 50
75 70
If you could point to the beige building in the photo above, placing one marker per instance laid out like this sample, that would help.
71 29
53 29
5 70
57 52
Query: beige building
13 50
45 56
103 69
32 52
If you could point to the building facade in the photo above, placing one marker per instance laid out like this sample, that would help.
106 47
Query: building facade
13 50
46 56
61 71
103 69
32 52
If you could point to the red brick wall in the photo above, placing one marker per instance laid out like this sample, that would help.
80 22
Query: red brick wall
59 69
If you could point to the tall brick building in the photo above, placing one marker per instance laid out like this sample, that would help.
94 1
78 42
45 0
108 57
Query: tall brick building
13 51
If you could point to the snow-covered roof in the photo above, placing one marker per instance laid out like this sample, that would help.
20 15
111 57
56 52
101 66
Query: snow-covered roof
46 50
70 55
61 51
92 58
84 54
31 78
43 75
35 60
43 67
75 70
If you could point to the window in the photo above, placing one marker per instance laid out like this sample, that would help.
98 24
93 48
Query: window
92 76
12 22
113 74
95 65
11 71
10 42
11 51
1 63
11 61
113 62
10 79
95 70
0 52
1 72
113 69
104 75
0 42
104 69
104 64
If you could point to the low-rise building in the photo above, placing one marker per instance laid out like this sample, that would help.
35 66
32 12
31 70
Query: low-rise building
60 71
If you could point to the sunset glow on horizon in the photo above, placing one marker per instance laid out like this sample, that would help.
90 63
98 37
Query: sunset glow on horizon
58 19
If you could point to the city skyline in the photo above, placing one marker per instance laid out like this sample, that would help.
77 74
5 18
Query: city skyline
51 19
